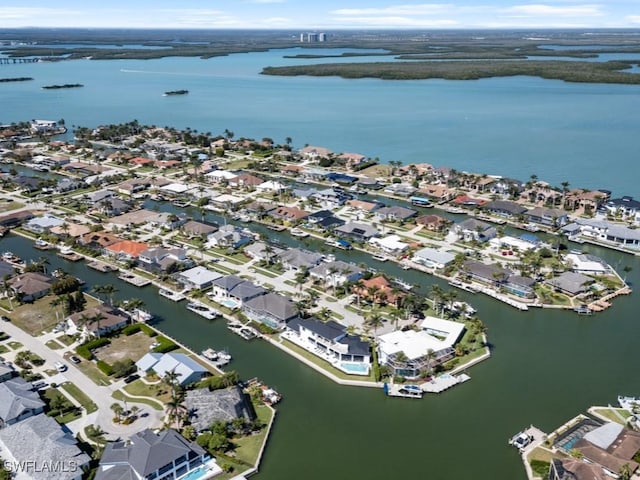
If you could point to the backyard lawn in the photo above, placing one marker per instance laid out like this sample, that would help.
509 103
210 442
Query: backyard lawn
121 347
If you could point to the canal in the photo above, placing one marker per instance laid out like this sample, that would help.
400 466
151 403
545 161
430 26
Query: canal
546 367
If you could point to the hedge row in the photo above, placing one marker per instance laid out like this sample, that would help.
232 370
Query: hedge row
139 327
105 367
85 349
165 345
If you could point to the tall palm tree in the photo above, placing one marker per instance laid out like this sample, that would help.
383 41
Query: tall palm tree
374 321
117 409
176 409
437 294
107 290
171 380
331 277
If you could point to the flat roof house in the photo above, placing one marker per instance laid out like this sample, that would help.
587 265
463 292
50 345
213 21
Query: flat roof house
432 258
148 455
271 309
43 224
49 454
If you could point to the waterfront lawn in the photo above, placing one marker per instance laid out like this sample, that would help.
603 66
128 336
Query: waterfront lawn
158 391
79 396
119 395
248 447
547 295
38 317
326 365
122 347
617 415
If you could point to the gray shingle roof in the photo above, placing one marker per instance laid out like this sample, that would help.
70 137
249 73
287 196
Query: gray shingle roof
17 397
228 282
47 444
147 452
273 304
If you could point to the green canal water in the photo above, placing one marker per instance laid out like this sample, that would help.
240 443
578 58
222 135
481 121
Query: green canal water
546 366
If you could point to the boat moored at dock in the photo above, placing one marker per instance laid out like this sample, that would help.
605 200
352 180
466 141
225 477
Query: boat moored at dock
171 295
218 358
203 310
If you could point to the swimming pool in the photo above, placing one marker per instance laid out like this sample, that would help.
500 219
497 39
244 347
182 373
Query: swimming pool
227 302
196 474
355 368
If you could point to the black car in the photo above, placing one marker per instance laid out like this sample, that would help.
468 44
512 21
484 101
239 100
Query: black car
131 378
74 359
4 318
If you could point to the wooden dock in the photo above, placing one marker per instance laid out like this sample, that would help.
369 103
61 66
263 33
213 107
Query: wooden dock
134 279
102 267
72 257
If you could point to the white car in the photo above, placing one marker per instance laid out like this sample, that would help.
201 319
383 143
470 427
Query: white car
61 367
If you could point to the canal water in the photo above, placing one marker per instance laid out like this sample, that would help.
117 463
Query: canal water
546 366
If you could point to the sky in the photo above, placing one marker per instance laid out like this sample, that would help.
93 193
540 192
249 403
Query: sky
320 14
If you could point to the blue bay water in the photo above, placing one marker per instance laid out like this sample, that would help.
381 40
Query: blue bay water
517 126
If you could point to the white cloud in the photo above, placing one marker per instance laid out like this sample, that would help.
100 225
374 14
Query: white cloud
396 22
532 10
633 18
420 9
18 13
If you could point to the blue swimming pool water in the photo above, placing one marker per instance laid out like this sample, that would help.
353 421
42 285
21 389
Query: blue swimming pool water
196 474
355 368
569 443
229 303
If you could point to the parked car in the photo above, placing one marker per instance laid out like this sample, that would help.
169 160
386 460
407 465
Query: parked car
4 318
131 378
61 367
38 385
74 359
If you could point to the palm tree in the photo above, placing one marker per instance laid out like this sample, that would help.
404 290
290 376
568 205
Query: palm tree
96 319
357 290
300 278
117 409
171 380
373 293
625 472
430 357
374 321
107 290
331 277
565 189
438 295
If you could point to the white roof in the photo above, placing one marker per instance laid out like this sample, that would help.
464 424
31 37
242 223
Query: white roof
586 263
605 435
435 256
200 275
442 327
227 198
512 242
390 242
271 185
222 174
176 187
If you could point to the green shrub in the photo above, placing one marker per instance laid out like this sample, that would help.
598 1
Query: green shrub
150 332
540 468
165 345
131 329
84 352
97 343
105 367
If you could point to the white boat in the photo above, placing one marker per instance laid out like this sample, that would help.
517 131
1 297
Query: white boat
203 310
629 403
406 285
218 358
297 232
65 250
464 286
464 307
171 295
41 244
246 332
140 315
532 227
181 203
380 257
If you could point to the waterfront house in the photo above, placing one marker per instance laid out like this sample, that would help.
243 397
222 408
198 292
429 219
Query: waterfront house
331 342
132 186
51 452
400 189
585 201
260 208
360 232
18 401
193 229
519 285
433 258
389 244
485 273
92 198
336 273
378 290
271 309
206 407
469 202
411 353
611 446
515 244
606 232
228 236
149 455
197 278
394 213
304 193
588 264
245 180
245 291
318 216
15 218
549 217
297 259
98 240
30 286
504 208
475 230
625 208
271 186
186 368
226 201
435 223
571 283
112 206
262 251
73 230
96 321
340 178
131 219
363 206
43 224
351 160
161 259
438 193
315 153
68 185
330 198
221 287
27 184
126 250
575 469
290 214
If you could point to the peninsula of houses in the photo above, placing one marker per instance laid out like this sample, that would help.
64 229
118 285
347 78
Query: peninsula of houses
321 254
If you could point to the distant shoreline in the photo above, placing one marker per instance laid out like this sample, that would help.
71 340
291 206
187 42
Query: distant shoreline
66 85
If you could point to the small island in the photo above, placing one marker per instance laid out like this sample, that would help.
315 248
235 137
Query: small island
15 79
66 85
175 92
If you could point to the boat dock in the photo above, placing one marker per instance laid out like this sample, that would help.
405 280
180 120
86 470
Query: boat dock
404 391
72 257
171 295
603 303
134 279
443 382
101 267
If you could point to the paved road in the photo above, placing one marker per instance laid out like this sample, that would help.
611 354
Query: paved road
100 395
